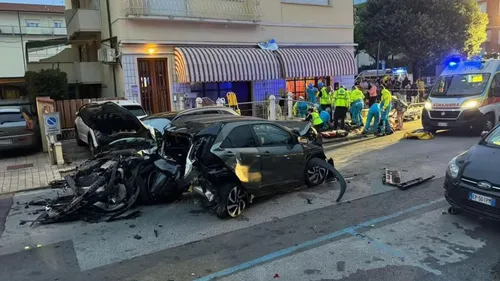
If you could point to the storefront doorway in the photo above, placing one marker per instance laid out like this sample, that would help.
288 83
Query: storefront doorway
153 79
219 90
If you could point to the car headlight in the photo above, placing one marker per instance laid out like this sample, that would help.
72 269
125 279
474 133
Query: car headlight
470 104
453 168
428 105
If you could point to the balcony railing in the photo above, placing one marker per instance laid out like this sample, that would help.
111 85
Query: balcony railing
32 30
227 10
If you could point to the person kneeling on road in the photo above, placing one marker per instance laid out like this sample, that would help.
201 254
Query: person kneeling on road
373 116
315 119
326 117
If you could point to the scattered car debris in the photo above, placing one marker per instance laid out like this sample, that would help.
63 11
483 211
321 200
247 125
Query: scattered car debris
138 237
156 233
393 178
132 226
309 201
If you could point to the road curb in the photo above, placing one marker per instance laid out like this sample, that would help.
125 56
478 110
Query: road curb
346 139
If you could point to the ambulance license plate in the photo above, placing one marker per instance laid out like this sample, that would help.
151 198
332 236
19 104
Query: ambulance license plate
442 124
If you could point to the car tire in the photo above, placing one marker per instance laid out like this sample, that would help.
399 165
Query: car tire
233 199
315 173
332 173
454 211
79 142
489 123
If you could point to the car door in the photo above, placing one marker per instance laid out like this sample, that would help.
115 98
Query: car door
239 151
281 154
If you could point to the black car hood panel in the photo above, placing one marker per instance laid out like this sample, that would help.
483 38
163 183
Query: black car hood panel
483 164
109 118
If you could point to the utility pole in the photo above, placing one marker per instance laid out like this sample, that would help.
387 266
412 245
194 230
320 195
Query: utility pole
378 58
22 40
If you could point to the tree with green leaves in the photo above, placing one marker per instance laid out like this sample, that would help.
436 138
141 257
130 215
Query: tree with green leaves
424 31
51 83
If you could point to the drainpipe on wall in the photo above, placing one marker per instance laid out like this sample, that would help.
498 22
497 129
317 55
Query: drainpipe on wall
22 41
113 45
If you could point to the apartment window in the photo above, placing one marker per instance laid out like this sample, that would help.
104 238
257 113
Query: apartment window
483 6
58 24
488 35
33 23
310 2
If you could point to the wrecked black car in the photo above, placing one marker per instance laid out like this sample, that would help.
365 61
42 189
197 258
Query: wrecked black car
231 159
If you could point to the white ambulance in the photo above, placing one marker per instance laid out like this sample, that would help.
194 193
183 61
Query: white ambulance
465 96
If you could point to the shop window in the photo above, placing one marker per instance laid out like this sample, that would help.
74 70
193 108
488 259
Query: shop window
298 86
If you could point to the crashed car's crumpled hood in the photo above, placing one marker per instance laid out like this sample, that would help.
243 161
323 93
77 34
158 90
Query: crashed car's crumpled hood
300 126
109 118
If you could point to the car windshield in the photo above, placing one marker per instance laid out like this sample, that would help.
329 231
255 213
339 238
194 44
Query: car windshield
135 109
493 139
158 123
11 117
460 85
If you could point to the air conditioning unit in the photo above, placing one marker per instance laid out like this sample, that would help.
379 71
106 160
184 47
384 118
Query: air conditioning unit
106 55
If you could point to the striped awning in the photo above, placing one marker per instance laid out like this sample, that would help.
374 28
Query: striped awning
317 62
205 64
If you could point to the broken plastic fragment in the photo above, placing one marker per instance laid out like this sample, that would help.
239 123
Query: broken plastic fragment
276 275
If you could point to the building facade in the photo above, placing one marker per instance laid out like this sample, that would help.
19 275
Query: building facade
157 51
20 24
492 8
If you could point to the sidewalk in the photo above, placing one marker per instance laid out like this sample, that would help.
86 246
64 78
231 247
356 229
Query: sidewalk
26 172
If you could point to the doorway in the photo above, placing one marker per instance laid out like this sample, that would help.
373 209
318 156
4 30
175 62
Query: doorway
153 79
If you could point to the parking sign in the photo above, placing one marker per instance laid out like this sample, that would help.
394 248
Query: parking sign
52 122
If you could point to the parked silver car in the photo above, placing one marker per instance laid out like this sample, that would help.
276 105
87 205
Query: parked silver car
18 127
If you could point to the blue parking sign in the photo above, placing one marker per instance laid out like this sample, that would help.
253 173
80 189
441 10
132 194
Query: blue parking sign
52 123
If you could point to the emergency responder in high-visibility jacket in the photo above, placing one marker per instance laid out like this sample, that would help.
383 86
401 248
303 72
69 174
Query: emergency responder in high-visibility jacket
325 96
356 98
385 109
315 119
341 104
300 108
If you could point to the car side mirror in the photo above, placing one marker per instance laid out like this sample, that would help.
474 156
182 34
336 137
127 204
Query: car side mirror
484 133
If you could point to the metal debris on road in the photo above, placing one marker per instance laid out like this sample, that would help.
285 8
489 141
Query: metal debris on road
156 233
393 178
138 237
309 201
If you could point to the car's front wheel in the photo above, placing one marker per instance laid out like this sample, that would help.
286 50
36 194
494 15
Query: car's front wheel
233 199
318 170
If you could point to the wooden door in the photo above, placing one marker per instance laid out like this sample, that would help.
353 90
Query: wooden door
153 79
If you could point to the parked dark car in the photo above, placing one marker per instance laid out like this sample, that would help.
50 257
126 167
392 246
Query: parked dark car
230 159
472 181
18 126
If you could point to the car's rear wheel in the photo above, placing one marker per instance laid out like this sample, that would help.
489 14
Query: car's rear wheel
149 197
79 142
233 199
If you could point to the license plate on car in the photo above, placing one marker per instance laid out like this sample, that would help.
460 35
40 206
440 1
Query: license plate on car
442 124
482 199
5 142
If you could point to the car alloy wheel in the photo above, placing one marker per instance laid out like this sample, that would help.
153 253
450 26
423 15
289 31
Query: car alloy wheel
316 175
236 201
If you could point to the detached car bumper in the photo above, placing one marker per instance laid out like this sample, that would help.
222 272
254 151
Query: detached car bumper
458 195
470 118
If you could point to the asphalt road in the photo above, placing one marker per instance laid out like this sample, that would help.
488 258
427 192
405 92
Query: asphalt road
376 233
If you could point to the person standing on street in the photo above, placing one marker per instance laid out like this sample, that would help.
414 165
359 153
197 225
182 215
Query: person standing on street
312 92
356 97
385 108
325 97
373 116
372 94
341 103
401 107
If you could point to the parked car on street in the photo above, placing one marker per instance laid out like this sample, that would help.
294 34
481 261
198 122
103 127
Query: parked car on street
230 159
472 181
18 126
98 124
